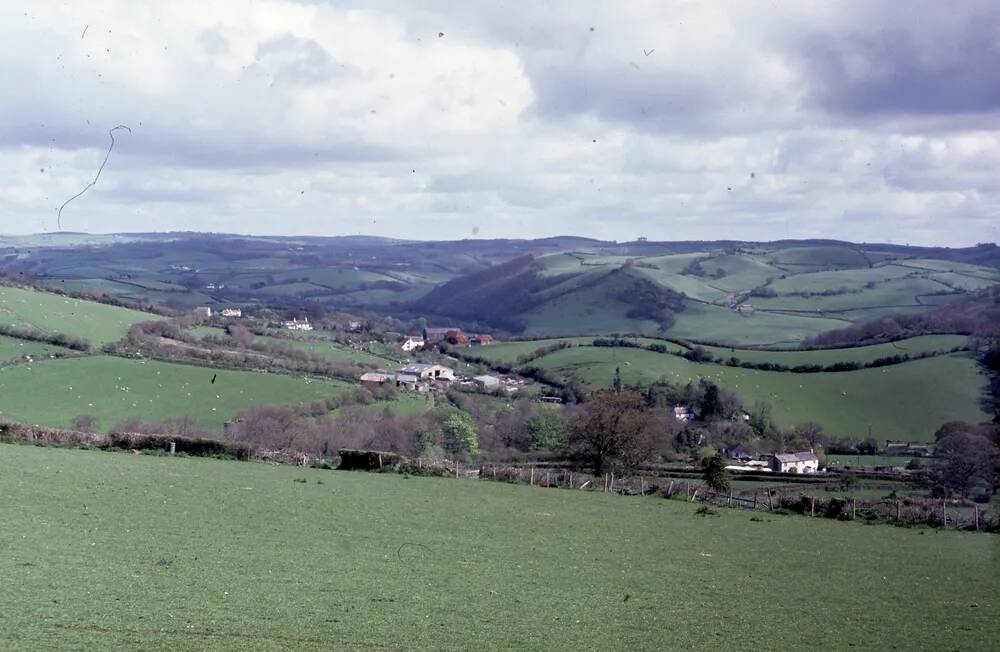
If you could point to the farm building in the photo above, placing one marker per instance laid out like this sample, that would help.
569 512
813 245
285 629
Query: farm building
449 334
743 309
376 377
412 342
907 448
428 371
487 383
203 311
481 340
298 325
408 381
231 312
804 462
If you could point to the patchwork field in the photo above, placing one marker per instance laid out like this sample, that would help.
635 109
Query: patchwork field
905 401
112 551
52 392
12 348
95 322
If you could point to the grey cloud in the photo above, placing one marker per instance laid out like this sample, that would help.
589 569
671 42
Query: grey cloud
886 64
290 59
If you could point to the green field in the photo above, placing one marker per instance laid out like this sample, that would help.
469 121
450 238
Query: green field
862 354
707 323
12 349
113 551
907 401
95 322
52 392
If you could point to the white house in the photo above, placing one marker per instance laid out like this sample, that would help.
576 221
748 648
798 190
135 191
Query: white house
231 312
296 325
683 413
804 462
412 342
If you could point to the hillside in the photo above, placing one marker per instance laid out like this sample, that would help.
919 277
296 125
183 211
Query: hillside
112 551
898 400
784 295
798 289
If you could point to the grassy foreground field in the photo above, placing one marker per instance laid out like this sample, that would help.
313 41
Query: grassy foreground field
114 551
52 392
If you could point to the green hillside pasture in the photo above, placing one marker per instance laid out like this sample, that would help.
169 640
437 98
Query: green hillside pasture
820 257
953 266
907 401
895 293
315 344
52 392
855 279
702 322
862 354
12 348
964 281
589 310
673 263
95 322
509 352
121 552
693 286
743 271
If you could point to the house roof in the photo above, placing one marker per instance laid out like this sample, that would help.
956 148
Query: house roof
375 376
406 378
807 456
487 379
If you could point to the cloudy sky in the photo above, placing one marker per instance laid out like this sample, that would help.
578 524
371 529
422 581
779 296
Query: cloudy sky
868 121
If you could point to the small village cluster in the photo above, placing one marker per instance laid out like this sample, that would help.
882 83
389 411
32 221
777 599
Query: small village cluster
422 377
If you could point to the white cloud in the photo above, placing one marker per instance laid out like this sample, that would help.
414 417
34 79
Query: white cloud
670 120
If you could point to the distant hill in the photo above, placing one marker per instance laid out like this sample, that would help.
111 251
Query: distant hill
790 289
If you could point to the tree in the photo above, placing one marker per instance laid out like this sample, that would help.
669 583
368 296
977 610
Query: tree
710 406
966 460
613 429
617 383
760 418
716 475
459 434
547 432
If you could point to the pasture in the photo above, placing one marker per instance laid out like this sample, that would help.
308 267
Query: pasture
95 322
905 401
113 551
52 392
14 349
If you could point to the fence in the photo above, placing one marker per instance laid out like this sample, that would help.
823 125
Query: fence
937 513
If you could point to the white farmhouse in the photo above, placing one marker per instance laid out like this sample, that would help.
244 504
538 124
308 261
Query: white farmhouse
804 462
231 312
296 325
412 342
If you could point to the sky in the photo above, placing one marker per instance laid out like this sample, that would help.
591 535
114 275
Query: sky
863 121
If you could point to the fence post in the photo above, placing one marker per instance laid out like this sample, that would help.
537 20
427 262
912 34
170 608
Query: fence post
976 507
173 448
812 507
854 509
456 470
694 496
770 503
420 464
494 471
612 482
571 483
531 478
755 501
547 483
898 510
642 486
670 490
730 503
944 513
